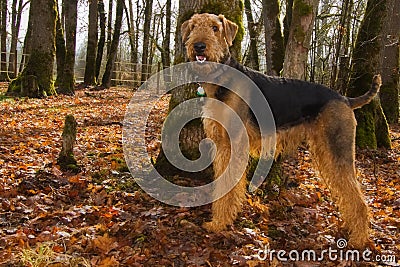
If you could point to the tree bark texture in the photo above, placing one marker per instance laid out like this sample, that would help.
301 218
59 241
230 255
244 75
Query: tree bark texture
252 59
102 38
3 40
67 84
274 46
146 40
27 44
36 80
15 27
298 44
91 52
390 61
167 39
106 80
372 129
109 26
66 159
60 50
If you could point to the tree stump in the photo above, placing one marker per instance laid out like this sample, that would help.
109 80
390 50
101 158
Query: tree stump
66 158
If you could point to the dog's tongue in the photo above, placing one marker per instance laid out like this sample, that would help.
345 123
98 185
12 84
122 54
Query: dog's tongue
200 58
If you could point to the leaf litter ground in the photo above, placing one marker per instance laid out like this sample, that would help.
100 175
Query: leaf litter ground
100 217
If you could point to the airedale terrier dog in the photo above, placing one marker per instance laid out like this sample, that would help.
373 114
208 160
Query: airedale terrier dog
302 111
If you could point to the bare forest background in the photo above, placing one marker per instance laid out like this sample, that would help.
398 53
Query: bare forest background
148 39
66 192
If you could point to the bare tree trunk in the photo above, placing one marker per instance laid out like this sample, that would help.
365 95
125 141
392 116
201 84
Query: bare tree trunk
390 62
15 27
131 28
3 41
91 52
109 26
372 129
274 47
167 39
135 53
106 81
341 32
102 39
36 80
67 84
60 50
27 44
298 44
344 60
287 21
146 39
252 59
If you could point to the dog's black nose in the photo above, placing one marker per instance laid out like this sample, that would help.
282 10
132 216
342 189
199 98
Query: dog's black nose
200 47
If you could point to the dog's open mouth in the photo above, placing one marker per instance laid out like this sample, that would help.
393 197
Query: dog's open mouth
200 58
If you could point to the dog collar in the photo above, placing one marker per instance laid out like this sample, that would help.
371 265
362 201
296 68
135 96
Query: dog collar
200 91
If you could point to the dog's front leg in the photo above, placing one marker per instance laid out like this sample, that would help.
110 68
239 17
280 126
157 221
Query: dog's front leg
230 174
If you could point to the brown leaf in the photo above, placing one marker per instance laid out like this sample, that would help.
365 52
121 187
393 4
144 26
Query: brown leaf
105 244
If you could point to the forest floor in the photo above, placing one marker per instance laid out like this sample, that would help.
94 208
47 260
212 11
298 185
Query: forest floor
100 217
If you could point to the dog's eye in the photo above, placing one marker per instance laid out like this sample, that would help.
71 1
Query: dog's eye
215 28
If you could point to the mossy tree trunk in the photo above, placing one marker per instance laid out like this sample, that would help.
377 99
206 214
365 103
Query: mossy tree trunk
372 128
90 68
67 82
298 43
252 59
390 61
36 80
193 133
66 159
274 46
106 80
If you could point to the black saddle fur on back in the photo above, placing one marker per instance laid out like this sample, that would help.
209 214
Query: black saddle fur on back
292 101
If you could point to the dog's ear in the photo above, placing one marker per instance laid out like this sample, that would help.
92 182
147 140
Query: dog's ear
185 30
230 29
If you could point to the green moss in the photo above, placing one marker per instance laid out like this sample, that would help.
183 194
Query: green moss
4 97
365 133
14 87
382 129
247 224
274 233
301 8
100 176
389 95
36 80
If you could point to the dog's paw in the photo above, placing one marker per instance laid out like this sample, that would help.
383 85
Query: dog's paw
214 226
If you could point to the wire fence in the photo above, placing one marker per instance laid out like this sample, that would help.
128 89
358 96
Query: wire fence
124 73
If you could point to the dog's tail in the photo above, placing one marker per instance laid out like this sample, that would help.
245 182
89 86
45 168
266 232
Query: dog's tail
360 101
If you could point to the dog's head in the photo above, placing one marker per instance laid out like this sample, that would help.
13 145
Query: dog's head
207 37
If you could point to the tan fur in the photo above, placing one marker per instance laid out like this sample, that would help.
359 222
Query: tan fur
330 136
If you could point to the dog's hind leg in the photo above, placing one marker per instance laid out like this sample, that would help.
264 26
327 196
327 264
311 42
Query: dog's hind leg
333 144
